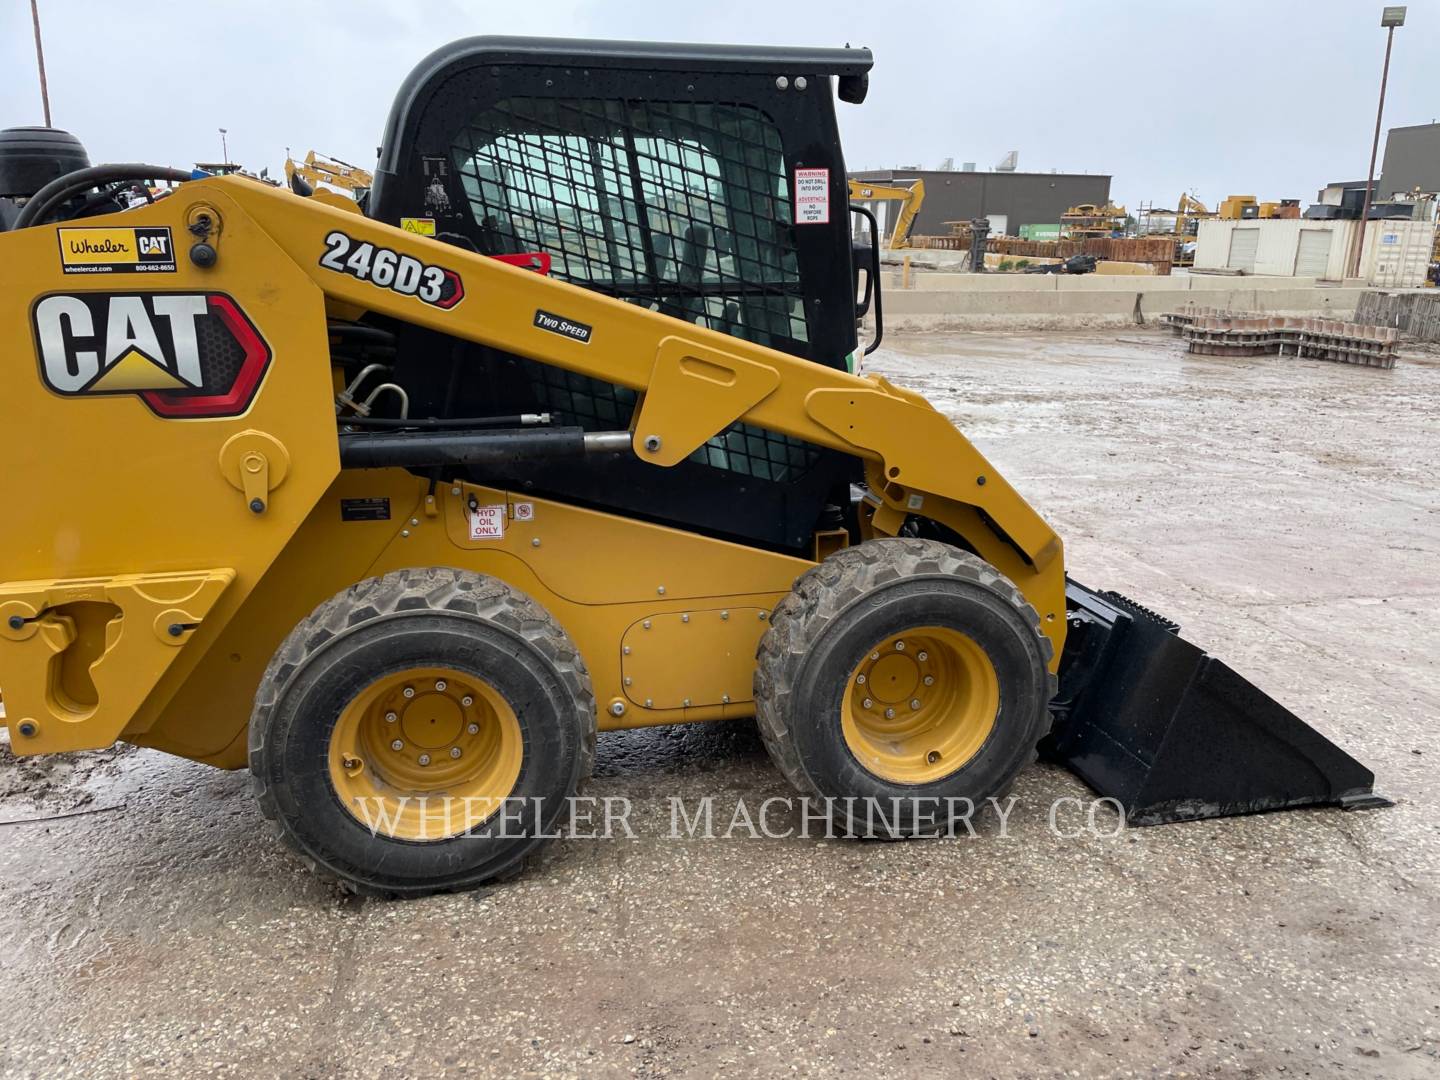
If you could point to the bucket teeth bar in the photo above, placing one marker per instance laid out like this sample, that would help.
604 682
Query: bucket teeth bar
1146 717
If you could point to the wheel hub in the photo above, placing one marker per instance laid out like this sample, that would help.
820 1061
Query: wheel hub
920 705
432 720
432 752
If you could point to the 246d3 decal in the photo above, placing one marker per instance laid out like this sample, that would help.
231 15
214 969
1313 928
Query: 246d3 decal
387 269
185 355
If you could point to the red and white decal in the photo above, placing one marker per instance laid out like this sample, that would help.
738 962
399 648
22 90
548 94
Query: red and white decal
812 196
487 522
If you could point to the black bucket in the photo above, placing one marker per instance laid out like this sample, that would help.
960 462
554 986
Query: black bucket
1145 717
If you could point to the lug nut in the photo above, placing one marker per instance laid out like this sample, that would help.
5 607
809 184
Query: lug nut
351 762
397 745
929 680
467 701
889 714
408 692
914 703
454 751
874 656
473 729
440 684
922 656
860 679
899 646
391 717
867 703
424 759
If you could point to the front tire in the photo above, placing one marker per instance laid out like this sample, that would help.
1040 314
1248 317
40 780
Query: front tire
421 731
903 682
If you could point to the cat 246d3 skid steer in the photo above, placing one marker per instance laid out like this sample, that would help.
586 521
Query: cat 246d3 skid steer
558 429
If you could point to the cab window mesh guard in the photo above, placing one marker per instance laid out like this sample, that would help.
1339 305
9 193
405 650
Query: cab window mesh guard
682 208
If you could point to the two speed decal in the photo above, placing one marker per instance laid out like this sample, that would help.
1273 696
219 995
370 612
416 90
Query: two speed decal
388 269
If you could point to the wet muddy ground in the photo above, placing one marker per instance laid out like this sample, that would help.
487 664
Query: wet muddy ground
1285 512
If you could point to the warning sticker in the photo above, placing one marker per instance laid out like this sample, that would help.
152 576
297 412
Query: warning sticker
812 196
420 226
524 511
487 522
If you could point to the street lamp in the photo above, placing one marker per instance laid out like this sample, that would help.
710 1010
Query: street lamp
225 151
40 59
1390 18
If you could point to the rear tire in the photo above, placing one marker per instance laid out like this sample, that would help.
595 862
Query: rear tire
903 669
430 683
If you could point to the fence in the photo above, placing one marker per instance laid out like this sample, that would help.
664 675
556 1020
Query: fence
1418 314
1157 250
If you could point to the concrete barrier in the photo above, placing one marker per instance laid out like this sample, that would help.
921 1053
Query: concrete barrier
938 300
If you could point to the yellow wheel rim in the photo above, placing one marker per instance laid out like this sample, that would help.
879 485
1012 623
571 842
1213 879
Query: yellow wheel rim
425 754
920 705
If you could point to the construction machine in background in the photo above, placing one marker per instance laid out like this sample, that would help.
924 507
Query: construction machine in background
1089 221
399 524
911 197
318 172
1238 207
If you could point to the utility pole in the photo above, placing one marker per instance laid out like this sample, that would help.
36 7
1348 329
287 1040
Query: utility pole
224 150
40 59
1390 18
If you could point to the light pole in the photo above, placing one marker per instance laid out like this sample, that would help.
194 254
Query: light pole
40 59
1390 18
224 150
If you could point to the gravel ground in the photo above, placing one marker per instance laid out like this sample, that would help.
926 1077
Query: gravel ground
1286 512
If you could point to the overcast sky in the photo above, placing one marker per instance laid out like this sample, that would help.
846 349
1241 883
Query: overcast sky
1257 97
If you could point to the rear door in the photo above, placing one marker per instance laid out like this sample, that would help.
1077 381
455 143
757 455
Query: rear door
1244 243
1313 255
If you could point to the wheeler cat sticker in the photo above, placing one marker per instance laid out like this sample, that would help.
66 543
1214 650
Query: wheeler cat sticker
185 355
117 251
388 269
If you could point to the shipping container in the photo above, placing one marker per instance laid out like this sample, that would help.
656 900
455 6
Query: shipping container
1396 253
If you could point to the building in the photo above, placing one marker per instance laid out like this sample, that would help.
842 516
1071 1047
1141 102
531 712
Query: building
1008 199
1396 253
1412 160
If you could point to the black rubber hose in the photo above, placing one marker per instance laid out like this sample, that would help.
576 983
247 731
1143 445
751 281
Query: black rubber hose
357 332
63 188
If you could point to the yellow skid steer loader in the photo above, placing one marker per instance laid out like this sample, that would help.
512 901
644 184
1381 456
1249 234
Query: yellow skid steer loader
397 503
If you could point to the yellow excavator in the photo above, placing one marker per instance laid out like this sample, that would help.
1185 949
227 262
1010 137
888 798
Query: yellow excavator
318 169
400 521
910 197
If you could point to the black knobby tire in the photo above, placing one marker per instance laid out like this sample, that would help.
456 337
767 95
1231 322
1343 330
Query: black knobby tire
418 618
829 621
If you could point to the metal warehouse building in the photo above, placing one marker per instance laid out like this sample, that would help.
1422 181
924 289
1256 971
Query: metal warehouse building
1009 199
1412 160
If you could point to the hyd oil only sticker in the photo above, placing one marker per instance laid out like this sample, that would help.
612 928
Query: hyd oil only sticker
117 251
487 522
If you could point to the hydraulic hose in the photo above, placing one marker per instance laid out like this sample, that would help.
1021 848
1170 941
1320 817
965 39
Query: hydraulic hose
64 188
